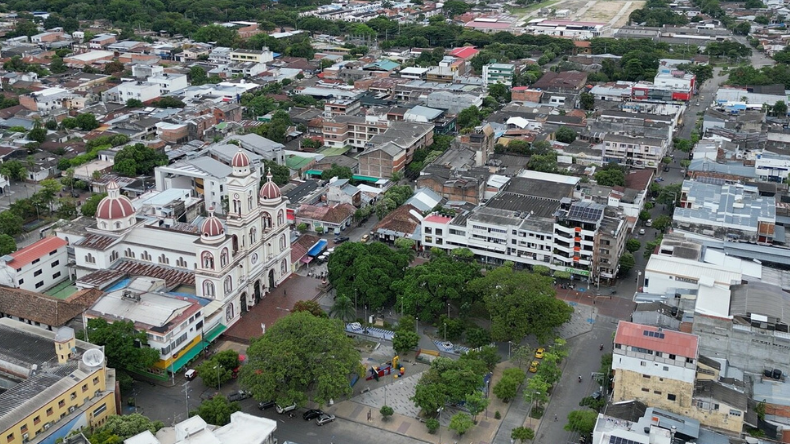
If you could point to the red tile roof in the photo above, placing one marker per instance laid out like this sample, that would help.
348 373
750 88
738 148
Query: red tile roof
435 218
672 342
465 52
35 251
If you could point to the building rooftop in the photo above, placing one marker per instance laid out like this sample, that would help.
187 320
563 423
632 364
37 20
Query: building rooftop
35 251
727 206
539 188
657 339
153 310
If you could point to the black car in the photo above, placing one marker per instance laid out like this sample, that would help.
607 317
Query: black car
340 239
312 413
263 405
238 396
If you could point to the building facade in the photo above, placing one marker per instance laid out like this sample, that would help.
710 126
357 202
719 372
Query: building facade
37 267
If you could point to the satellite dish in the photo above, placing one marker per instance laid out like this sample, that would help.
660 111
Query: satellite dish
93 357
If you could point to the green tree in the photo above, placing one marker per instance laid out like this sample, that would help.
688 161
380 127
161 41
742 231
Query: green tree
118 428
507 387
432 424
779 109
662 222
312 307
537 391
546 163
38 134
10 224
386 411
478 337
341 172
343 309
522 355
522 434
521 303
742 28
405 341
610 177
280 173
468 118
125 347
14 169
67 208
87 122
565 135
498 91
7 244
644 215
24 27
627 263
57 66
197 75
582 422
633 245
217 410
461 422
215 33
134 103
365 271
137 159
587 101
88 208
168 102
476 402
456 7
300 354
213 373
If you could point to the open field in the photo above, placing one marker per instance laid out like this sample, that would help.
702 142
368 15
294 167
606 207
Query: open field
614 13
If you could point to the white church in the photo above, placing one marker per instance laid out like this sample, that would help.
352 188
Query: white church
235 261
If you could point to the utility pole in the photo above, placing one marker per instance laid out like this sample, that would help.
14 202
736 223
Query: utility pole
186 396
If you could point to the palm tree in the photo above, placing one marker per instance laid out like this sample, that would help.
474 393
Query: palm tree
343 309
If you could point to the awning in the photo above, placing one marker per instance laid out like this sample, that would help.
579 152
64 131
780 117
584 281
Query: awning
306 259
318 248
365 178
313 172
186 357
212 335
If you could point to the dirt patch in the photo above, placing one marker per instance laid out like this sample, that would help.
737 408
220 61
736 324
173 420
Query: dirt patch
606 11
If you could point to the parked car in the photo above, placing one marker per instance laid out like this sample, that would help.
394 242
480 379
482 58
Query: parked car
190 374
533 368
312 413
324 418
641 231
649 223
238 396
596 395
666 168
280 409
364 238
340 239
263 405
539 352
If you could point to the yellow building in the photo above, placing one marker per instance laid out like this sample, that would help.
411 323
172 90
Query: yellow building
56 384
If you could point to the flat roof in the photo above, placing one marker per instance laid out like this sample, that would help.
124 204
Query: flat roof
152 309
657 339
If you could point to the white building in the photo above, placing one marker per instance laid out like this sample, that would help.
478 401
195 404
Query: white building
169 83
142 91
499 73
263 55
206 177
235 261
37 267
637 152
566 28
771 167
243 428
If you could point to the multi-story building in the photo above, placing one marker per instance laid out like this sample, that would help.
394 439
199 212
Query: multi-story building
341 107
610 241
531 221
243 427
142 91
355 131
60 384
169 83
637 152
566 28
499 73
37 267
263 55
46 100
655 366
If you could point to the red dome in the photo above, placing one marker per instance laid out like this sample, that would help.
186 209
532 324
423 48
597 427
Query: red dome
270 190
212 227
119 207
240 160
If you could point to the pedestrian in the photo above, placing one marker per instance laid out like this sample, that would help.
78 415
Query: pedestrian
285 293
555 418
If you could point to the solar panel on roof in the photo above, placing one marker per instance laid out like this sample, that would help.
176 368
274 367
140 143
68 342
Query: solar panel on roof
619 440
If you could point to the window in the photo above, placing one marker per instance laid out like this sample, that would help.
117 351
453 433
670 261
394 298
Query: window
113 256
49 411
228 284
145 256
642 363
56 275
36 420
37 273
282 243
55 264
666 369
671 397
35 261
96 380
61 403
280 218
645 389
84 387
223 257
73 395
21 281
24 428
672 357
10 437
39 284
181 262
646 376
208 260
129 253
657 392
735 412
689 360
164 259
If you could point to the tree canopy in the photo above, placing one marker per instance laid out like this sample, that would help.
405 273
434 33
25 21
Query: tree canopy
125 347
120 427
521 303
364 272
216 410
137 159
446 381
300 356
611 175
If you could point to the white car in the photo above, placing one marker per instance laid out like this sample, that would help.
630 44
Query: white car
280 409
641 231
324 418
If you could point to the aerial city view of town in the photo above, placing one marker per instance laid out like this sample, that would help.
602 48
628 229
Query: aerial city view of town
400 222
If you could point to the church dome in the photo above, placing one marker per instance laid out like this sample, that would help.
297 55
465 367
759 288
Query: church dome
270 190
115 206
212 226
240 160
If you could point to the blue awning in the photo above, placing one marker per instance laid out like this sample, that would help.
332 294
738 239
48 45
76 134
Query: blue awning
316 249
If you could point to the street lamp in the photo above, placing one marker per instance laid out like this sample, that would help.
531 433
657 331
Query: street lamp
509 343
445 332
219 386
417 325
638 277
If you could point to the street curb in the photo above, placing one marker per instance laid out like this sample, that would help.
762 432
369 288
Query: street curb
370 424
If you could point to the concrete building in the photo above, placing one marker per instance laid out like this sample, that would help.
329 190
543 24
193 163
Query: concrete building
142 91
60 384
204 176
263 55
46 100
731 211
655 366
636 152
382 161
565 28
499 73
37 267
243 427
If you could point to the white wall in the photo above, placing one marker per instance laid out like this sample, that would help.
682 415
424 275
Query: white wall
652 368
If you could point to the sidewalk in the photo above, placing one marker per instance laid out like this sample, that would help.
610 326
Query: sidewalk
482 433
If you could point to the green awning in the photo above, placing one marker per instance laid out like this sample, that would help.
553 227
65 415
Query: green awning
186 357
212 335
313 172
365 178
